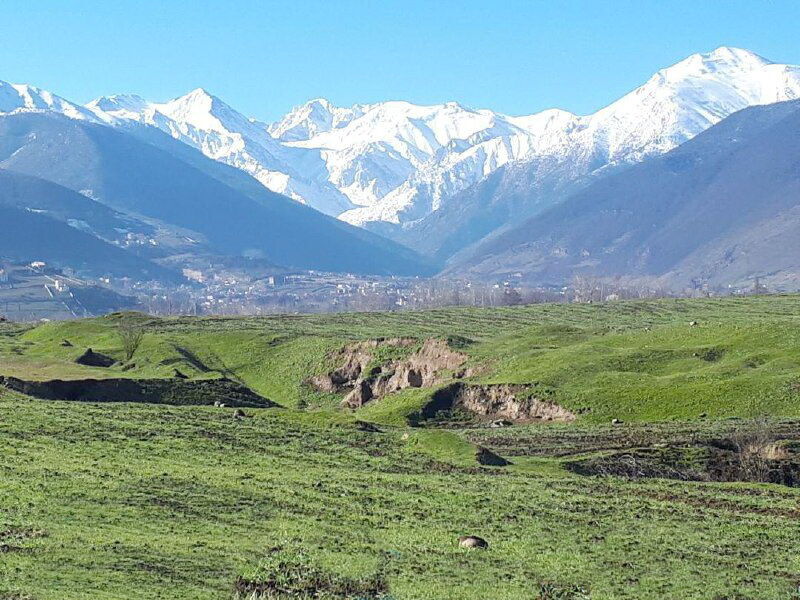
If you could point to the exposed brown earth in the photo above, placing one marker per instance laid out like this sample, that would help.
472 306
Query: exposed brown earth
516 403
717 460
421 368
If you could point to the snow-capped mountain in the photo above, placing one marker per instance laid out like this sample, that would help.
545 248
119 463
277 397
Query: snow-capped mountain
222 133
26 98
673 106
397 162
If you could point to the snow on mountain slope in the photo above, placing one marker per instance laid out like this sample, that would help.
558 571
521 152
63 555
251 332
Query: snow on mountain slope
313 117
26 98
222 133
397 162
679 102
567 152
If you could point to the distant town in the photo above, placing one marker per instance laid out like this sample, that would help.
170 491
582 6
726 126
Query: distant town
37 291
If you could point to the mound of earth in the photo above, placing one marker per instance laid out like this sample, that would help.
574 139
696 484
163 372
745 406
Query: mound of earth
151 391
365 376
90 358
514 403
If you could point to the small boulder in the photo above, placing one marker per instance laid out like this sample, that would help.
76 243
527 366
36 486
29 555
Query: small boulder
472 541
693 323
66 344
616 421
239 414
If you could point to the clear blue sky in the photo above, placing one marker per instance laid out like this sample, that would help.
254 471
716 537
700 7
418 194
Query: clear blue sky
264 57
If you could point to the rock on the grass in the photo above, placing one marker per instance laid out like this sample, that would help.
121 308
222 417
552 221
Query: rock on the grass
472 541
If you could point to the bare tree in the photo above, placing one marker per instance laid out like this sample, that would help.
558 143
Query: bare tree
131 336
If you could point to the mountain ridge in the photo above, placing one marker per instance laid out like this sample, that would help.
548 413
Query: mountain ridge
145 177
390 165
723 208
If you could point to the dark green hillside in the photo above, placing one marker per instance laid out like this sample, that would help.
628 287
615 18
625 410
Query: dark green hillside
139 178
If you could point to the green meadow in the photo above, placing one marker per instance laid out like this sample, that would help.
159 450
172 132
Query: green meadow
308 500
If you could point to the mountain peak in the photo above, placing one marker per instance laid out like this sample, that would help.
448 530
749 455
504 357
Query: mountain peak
200 94
198 97
311 118
732 54
200 109
23 97
725 59
117 102
320 102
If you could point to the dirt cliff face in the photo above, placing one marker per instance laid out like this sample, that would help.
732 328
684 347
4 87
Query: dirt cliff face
365 377
513 402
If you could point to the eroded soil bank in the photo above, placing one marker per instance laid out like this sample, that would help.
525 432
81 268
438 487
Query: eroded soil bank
763 460
151 391
374 368
514 403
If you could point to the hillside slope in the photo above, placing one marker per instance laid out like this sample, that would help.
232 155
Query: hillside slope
28 236
138 178
722 208
638 360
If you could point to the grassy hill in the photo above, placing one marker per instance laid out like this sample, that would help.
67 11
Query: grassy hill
131 500
629 360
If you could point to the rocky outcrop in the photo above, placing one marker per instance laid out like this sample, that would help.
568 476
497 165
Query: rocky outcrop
152 391
364 377
511 402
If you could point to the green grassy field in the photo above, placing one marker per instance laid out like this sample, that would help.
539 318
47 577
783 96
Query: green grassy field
120 500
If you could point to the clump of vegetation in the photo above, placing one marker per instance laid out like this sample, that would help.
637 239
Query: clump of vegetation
459 342
130 335
556 591
291 574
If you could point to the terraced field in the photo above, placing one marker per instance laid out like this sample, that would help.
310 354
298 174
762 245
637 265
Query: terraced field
184 499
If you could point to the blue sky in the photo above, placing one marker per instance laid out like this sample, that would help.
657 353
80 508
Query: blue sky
264 57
